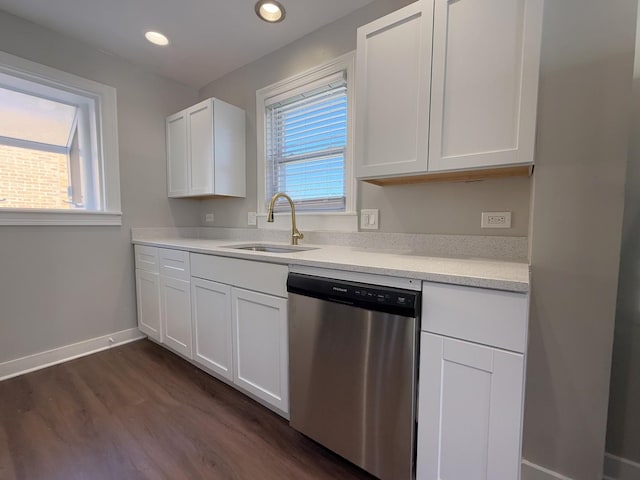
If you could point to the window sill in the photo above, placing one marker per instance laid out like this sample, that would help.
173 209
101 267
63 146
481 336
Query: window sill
328 221
59 217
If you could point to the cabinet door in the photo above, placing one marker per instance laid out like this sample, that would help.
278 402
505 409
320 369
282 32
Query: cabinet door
229 150
393 85
260 342
175 310
211 314
469 412
486 56
201 179
177 155
148 298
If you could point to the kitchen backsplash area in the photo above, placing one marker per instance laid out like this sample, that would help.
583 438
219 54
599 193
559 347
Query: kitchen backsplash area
460 246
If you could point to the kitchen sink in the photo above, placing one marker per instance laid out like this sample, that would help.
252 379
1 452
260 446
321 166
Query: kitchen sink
263 247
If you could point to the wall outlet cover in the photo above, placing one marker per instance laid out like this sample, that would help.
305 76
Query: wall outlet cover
496 220
208 218
251 218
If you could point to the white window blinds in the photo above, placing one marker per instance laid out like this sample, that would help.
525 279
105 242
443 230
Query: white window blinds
306 139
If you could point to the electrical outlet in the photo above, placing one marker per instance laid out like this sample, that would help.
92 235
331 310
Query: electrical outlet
208 218
251 218
369 219
496 220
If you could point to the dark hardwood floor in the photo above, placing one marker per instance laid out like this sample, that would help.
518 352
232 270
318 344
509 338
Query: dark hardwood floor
140 412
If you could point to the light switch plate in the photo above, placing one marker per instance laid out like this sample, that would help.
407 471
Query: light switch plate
251 218
369 219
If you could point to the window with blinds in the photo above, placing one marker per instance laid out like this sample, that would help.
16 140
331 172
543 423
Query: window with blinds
305 145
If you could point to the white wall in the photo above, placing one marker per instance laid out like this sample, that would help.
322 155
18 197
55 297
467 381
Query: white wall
60 285
585 88
408 209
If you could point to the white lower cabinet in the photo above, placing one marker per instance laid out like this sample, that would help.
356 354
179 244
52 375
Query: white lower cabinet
238 334
260 343
240 329
148 301
471 383
175 311
211 315
470 411
164 296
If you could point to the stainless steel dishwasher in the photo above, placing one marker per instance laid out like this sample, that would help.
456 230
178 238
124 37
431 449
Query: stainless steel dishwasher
352 354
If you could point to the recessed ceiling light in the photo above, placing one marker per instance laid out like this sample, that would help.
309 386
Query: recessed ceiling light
157 38
270 11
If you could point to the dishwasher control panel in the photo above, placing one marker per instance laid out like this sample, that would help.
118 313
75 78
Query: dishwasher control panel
388 299
381 297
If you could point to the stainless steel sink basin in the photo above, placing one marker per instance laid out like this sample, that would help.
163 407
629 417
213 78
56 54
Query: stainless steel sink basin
262 247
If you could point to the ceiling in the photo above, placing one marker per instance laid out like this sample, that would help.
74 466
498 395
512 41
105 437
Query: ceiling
209 38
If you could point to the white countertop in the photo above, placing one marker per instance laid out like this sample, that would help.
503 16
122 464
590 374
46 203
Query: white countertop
476 272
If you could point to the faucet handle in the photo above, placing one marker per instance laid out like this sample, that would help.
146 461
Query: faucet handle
295 236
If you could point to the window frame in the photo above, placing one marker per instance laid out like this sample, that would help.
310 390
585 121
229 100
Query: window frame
341 221
107 178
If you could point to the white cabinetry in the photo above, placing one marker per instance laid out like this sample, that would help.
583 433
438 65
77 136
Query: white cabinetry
471 388
206 151
164 296
448 85
148 298
230 317
175 311
175 300
393 83
212 338
470 411
148 291
177 155
240 325
260 342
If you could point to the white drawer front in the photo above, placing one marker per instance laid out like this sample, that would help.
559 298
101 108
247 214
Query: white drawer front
146 258
174 264
488 317
256 276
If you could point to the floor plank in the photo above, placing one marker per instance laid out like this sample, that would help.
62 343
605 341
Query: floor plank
6 463
141 412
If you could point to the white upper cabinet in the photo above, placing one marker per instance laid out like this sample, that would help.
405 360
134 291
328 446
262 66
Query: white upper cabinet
393 82
206 151
177 152
200 146
484 92
467 101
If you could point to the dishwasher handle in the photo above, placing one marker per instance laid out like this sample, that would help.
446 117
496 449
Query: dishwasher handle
395 301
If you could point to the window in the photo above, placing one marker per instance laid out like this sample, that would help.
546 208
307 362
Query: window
306 139
304 144
58 147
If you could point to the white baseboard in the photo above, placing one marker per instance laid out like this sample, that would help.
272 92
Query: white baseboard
531 471
27 364
617 468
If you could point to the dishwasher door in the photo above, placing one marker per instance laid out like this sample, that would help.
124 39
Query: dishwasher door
353 378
